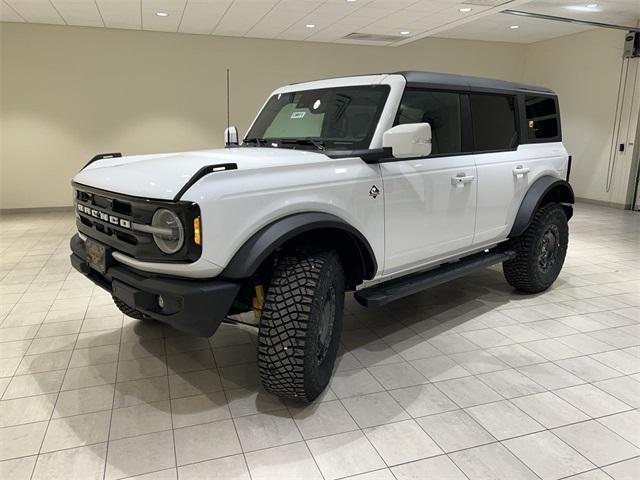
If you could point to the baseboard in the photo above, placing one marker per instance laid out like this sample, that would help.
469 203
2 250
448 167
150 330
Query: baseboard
602 203
12 211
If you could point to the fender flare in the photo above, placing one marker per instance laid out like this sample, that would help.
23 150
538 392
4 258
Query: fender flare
263 243
542 189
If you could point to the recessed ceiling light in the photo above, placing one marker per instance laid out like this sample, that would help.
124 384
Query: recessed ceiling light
310 25
352 1
465 10
162 14
405 32
513 27
592 5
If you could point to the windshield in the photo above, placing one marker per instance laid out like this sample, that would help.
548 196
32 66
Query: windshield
343 118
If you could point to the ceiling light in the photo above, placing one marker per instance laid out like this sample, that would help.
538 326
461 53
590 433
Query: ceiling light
352 1
162 14
310 25
465 10
405 32
592 5
513 27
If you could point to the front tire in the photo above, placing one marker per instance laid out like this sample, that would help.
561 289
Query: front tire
300 325
540 251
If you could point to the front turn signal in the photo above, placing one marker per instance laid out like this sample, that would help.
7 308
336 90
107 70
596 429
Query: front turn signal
197 234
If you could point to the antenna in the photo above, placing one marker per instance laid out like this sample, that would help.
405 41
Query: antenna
228 139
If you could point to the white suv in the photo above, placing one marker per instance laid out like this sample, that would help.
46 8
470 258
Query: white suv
379 184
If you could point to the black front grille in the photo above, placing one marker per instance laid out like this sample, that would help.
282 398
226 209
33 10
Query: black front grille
109 217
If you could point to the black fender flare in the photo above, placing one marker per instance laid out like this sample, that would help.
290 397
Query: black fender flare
263 243
543 189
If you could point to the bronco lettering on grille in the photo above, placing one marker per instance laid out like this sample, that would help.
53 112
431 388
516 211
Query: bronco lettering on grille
105 217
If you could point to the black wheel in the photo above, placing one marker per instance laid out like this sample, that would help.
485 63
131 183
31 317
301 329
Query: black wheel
129 311
300 325
540 251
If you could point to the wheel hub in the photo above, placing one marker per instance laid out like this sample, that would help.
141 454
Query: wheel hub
548 248
325 329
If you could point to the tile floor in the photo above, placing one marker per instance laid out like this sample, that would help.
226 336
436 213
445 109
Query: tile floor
467 381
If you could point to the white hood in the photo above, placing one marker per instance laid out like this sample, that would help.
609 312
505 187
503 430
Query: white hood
162 176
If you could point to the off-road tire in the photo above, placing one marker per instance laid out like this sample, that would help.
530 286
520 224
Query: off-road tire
306 290
129 311
529 271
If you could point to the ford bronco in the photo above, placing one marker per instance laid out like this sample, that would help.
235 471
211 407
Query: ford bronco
379 184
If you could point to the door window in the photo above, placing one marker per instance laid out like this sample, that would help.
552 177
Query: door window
441 110
494 122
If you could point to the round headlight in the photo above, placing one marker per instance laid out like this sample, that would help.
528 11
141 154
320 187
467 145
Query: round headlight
170 234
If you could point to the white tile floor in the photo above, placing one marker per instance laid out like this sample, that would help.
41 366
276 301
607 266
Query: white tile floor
467 381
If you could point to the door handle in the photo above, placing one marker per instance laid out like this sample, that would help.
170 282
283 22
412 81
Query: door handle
520 171
460 180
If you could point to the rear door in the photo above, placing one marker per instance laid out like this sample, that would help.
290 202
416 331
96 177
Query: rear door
430 202
507 130
502 166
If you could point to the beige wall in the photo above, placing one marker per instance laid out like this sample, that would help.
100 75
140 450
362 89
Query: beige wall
584 70
69 93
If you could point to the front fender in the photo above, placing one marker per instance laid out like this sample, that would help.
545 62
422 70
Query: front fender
543 190
255 251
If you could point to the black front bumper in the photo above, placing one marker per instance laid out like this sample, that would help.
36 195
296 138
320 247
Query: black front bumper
191 305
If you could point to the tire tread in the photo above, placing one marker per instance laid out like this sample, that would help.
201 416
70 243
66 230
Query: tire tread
287 310
519 271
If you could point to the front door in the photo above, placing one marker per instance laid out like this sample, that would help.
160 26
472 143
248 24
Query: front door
430 203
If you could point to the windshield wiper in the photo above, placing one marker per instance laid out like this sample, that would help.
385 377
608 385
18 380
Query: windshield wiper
319 144
274 142
258 141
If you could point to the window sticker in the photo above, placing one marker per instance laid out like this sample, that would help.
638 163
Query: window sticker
297 115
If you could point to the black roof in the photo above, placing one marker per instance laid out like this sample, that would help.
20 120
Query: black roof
464 82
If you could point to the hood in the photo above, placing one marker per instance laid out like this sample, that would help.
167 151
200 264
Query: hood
162 176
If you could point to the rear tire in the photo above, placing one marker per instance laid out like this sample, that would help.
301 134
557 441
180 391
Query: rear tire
540 251
129 311
300 325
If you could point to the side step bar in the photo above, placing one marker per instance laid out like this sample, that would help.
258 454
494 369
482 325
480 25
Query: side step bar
383 293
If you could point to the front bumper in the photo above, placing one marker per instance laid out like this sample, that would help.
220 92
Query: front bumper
193 306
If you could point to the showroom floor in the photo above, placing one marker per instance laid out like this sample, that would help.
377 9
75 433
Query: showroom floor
469 380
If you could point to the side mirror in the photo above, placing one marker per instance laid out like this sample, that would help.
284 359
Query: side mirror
408 140
231 137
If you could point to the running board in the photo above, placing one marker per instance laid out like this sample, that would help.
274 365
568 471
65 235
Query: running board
383 293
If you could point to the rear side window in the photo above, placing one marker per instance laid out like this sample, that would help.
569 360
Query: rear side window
441 110
494 122
542 117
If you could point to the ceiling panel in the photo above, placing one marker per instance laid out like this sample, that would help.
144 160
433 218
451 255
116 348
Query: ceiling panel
8 14
79 12
332 19
274 23
625 12
36 11
497 28
242 16
121 13
202 16
169 23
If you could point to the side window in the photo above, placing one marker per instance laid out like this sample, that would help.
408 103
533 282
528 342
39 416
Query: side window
494 122
441 110
542 117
